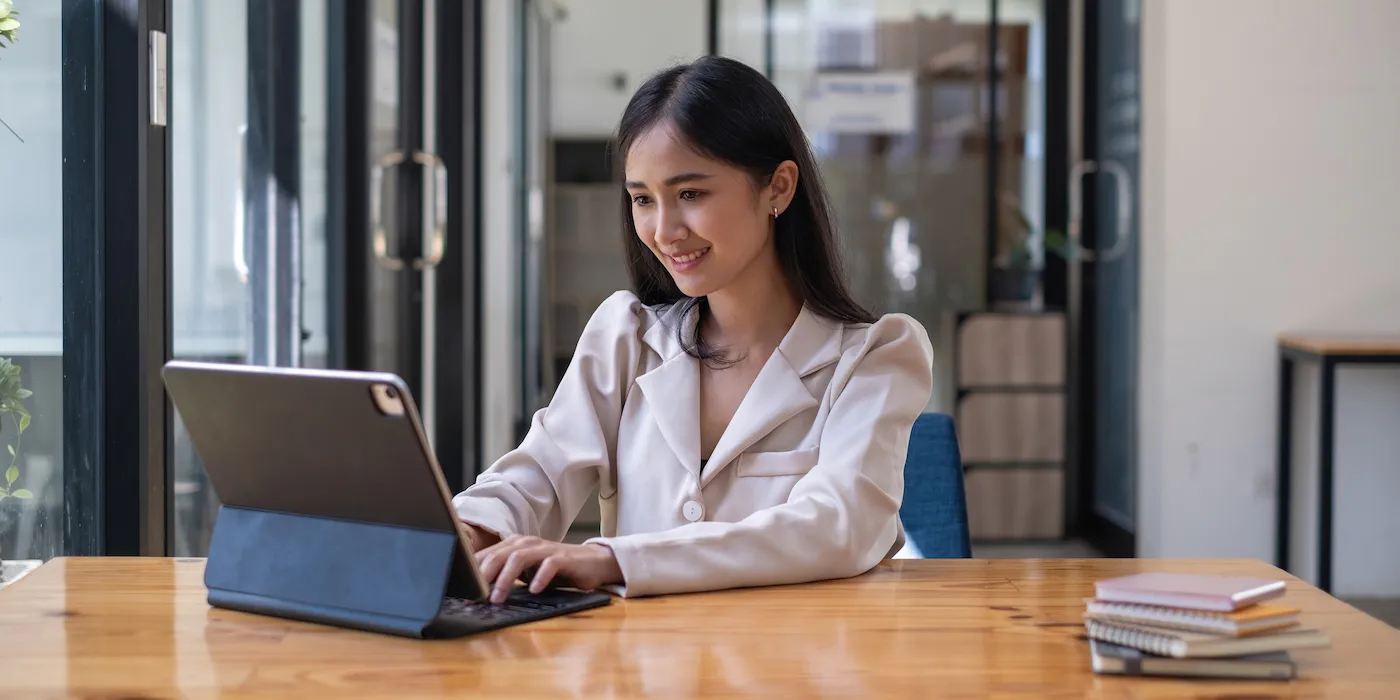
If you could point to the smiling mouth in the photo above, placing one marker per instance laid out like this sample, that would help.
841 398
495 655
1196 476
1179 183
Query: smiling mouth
689 257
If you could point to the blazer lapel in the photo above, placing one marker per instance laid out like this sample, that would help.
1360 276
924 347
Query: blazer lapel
778 393
672 392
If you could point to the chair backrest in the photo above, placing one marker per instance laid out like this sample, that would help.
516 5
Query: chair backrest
934 511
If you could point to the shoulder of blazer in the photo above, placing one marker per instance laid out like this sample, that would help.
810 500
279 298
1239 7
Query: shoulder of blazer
895 339
622 316
623 324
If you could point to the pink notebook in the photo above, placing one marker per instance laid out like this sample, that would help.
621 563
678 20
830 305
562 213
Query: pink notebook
1193 591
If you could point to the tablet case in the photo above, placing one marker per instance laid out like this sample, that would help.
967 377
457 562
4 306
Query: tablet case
382 578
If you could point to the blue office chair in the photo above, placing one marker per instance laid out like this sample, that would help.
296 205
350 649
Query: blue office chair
934 511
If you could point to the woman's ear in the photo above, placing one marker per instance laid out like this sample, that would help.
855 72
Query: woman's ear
783 187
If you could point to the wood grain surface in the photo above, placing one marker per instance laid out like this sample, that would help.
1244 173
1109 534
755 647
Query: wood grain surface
140 628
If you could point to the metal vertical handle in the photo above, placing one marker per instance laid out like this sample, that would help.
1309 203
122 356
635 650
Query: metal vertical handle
1123 228
434 225
240 243
435 218
377 184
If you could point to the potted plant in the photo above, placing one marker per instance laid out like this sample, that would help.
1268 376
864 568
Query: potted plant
1016 269
14 420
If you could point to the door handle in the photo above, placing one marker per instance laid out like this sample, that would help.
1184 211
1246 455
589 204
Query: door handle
377 184
240 246
435 211
1123 220
435 216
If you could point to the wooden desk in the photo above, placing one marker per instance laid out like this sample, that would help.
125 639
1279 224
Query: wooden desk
1328 352
1007 628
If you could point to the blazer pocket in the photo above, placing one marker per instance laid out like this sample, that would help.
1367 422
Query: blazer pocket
794 463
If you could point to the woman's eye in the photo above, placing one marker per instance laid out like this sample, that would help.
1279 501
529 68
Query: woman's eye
641 200
690 195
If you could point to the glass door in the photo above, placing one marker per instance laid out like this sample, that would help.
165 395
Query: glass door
421 270
323 194
248 270
1103 228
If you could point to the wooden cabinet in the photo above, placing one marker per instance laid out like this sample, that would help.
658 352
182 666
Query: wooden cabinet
1011 423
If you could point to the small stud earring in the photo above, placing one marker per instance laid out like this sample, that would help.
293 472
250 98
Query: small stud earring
775 212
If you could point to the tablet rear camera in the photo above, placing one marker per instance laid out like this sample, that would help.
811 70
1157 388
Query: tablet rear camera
386 399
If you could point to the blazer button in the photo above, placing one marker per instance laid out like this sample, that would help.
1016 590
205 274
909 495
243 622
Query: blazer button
693 511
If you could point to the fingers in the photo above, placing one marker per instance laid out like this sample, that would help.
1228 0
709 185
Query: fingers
544 562
549 568
491 559
515 565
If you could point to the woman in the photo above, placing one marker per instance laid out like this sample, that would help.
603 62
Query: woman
745 420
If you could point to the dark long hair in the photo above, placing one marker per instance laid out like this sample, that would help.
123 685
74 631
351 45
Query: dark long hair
730 112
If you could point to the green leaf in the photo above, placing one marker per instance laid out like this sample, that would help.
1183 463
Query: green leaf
8 24
23 422
4 494
23 493
23 394
11 475
12 450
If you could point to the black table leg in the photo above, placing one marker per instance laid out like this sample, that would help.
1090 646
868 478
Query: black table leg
1285 459
1326 419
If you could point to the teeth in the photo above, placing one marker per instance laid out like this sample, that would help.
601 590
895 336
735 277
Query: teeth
690 256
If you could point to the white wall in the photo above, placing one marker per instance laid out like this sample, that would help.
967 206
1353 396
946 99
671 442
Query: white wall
499 176
1271 159
594 41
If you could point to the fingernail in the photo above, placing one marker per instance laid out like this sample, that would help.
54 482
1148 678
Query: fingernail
535 587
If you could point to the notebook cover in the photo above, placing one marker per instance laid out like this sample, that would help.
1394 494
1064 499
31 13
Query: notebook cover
1193 591
1254 619
1182 644
1120 660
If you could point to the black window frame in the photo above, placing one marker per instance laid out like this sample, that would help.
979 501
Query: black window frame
116 281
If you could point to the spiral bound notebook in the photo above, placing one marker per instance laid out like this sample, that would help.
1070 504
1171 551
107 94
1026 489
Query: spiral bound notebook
1255 619
1117 660
1180 644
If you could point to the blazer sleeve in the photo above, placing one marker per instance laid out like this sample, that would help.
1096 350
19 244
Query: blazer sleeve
539 487
841 518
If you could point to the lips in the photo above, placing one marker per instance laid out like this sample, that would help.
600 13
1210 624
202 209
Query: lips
688 260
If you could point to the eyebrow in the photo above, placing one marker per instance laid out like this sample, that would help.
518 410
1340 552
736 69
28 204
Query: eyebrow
670 181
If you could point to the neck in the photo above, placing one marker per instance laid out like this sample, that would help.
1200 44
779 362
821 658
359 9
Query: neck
755 312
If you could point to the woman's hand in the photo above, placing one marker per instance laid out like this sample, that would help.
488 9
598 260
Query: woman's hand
480 538
585 566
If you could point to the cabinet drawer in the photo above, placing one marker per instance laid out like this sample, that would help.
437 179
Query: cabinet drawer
1011 350
1022 427
1015 503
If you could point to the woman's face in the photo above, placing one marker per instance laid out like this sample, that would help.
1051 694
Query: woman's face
705 220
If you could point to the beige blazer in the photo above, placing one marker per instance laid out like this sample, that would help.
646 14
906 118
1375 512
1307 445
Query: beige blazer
805 483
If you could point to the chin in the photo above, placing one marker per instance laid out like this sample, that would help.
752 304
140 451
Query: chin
693 290
692 287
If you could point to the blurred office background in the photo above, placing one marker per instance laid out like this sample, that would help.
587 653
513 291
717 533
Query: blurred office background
1104 212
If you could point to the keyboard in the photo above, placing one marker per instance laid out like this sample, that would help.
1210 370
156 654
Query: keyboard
460 616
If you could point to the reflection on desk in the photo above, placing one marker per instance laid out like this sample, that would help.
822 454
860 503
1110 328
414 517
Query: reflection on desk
911 628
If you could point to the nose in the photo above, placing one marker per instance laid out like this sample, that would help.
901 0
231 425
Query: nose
670 228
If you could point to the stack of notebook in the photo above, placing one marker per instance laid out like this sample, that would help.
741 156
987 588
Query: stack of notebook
1195 625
